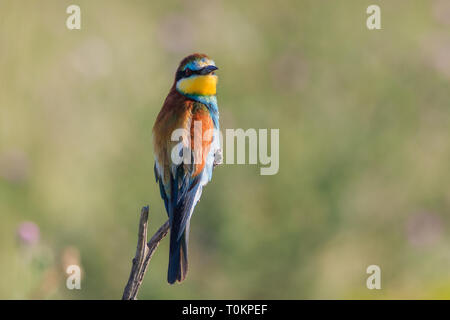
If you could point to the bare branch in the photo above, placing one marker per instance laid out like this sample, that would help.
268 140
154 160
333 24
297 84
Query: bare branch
144 253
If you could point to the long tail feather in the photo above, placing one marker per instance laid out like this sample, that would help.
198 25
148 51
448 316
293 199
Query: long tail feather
178 256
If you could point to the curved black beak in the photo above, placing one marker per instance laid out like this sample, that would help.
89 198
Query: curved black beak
208 70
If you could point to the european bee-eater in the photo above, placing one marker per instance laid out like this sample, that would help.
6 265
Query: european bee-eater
191 106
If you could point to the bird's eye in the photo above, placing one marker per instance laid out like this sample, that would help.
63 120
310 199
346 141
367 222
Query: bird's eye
188 72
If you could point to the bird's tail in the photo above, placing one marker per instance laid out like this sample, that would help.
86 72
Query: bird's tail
178 255
184 199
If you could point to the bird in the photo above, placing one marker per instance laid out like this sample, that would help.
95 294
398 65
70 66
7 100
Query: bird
185 165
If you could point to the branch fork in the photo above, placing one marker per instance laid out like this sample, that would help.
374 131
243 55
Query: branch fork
144 253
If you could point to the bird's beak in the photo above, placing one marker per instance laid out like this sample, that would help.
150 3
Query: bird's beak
208 70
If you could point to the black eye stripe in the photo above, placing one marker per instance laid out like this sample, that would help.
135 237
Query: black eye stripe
184 74
192 71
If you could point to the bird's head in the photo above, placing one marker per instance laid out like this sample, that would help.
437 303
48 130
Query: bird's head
196 77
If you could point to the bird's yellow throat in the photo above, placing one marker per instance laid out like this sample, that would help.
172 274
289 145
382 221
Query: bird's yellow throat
198 85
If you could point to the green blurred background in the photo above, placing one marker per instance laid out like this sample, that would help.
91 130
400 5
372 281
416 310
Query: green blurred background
364 147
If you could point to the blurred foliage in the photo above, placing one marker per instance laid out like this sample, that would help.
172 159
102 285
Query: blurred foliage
364 147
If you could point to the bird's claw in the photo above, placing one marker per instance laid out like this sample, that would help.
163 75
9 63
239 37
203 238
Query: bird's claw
218 159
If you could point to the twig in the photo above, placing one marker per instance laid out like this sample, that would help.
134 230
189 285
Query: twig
144 253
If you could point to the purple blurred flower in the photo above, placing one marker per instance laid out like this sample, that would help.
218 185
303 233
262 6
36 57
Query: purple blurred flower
441 11
424 229
28 233
437 53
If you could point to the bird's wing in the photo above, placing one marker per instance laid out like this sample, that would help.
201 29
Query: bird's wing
199 173
176 113
181 183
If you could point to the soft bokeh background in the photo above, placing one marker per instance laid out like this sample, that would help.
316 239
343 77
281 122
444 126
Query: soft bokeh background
364 147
